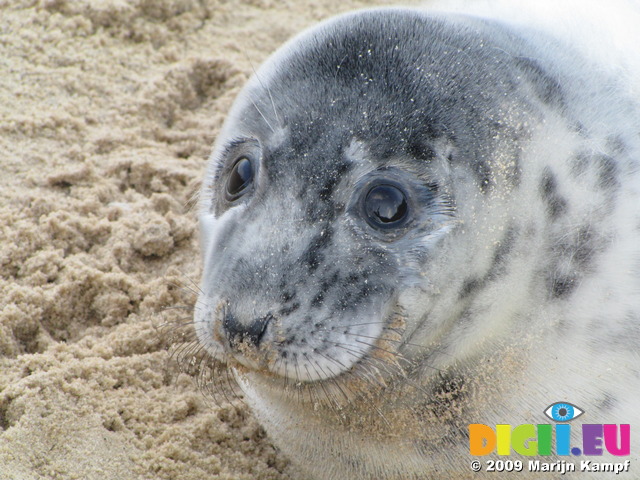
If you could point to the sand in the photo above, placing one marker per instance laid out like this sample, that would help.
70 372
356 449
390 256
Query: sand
108 109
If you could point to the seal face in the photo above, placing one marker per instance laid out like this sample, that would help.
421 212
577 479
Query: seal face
408 213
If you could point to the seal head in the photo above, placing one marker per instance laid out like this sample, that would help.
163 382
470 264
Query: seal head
394 200
331 186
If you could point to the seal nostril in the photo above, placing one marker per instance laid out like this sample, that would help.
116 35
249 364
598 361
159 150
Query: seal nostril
237 332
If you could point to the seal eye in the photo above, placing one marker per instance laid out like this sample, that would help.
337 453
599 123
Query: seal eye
239 179
385 206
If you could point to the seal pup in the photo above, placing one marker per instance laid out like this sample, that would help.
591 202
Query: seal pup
414 221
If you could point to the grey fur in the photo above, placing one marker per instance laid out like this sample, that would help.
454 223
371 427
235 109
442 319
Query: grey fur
367 351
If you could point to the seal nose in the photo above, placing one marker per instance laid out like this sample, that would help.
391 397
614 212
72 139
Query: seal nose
237 332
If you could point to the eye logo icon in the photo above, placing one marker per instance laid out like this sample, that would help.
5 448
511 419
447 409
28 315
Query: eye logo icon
563 412
528 439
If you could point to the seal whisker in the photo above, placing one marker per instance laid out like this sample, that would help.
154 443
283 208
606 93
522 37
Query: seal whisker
306 387
358 354
298 382
179 307
196 363
330 398
381 322
366 361
262 115
186 289
284 377
213 384
331 359
377 347
267 89
181 325
339 385
185 351
232 385
332 379
399 342
193 282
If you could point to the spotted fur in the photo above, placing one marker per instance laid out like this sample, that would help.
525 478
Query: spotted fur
514 281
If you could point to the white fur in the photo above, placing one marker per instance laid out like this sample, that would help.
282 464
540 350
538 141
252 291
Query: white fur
511 351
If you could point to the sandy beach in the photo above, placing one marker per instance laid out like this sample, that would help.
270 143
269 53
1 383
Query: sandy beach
108 109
